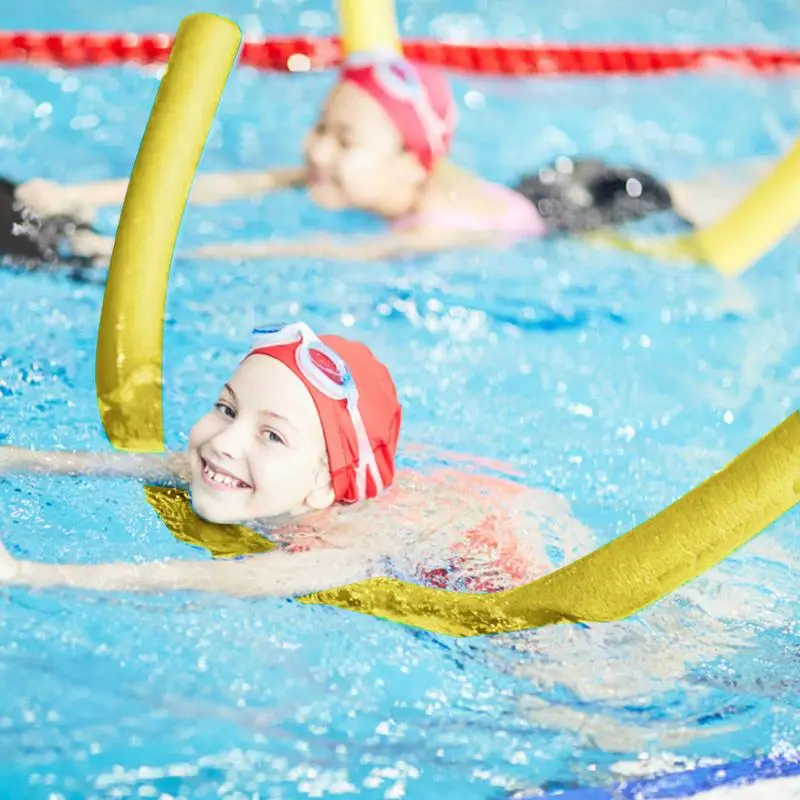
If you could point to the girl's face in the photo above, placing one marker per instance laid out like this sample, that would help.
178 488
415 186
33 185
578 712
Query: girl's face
260 452
355 157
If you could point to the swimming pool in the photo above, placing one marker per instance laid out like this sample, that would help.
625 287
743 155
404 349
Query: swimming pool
615 381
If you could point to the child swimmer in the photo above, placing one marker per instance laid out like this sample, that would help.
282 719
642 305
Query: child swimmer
380 145
301 445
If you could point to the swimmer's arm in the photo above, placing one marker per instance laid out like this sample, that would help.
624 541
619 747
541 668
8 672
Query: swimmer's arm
213 189
268 574
66 462
208 189
366 248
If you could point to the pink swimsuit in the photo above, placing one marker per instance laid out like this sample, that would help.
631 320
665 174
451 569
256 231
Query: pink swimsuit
521 219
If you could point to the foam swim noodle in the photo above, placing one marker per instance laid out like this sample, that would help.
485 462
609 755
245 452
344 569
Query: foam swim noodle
634 570
734 243
128 370
759 222
222 541
369 26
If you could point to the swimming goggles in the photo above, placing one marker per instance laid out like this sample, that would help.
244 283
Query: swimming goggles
399 79
329 374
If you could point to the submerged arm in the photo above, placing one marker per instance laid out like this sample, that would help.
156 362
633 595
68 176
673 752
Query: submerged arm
213 189
81 200
268 574
208 189
365 248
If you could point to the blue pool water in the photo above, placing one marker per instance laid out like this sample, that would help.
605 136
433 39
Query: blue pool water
617 382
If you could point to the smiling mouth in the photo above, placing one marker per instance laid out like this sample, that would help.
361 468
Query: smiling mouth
219 478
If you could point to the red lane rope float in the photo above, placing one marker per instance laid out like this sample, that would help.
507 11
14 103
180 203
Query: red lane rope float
302 54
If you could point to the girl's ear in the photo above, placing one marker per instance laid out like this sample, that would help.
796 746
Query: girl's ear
321 498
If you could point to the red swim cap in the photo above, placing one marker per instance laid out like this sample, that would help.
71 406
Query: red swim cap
377 403
416 97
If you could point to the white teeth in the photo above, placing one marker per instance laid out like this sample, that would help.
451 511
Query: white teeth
216 477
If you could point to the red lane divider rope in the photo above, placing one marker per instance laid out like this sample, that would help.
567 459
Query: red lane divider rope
301 54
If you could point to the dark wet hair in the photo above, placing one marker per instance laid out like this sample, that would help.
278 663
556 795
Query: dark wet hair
584 194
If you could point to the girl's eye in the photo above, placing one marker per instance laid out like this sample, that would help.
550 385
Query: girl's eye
225 409
272 437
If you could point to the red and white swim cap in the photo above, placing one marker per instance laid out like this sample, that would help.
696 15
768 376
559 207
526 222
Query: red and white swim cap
416 97
375 418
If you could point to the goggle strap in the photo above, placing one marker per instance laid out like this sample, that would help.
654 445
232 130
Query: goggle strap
366 458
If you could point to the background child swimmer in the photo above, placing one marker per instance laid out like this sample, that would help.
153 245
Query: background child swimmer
301 445
380 146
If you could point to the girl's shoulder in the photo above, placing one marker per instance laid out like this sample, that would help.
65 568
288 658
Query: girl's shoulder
466 202
451 529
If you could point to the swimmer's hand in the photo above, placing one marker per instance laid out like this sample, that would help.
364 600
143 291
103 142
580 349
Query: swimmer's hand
172 467
49 199
92 245
268 574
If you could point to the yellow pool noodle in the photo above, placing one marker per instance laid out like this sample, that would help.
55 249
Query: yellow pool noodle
734 243
634 570
767 215
369 26
128 370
